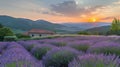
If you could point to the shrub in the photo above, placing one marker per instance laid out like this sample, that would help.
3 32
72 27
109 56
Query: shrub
6 32
25 39
22 36
15 55
84 33
56 42
13 45
80 45
59 44
1 26
10 38
28 45
3 47
1 38
59 57
106 48
19 64
91 60
40 50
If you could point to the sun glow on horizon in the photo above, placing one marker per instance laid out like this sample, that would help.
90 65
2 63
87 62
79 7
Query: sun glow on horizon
93 19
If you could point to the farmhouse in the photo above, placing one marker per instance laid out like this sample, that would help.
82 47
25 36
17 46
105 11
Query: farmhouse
39 33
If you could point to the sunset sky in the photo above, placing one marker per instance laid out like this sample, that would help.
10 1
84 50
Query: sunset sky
59 11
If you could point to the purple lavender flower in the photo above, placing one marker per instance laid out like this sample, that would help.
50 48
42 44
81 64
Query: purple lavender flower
105 47
91 60
80 45
28 44
57 43
40 50
13 45
3 46
12 56
60 57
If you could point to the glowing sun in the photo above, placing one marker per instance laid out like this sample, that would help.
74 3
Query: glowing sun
93 20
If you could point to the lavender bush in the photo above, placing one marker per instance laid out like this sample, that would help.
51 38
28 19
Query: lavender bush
91 60
19 64
58 43
3 46
80 45
13 45
12 56
59 57
28 44
40 50
99 51
105 47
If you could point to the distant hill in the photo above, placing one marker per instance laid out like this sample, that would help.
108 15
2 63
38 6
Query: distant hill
22 25
84 26
101 29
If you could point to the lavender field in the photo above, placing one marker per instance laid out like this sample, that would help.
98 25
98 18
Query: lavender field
71 51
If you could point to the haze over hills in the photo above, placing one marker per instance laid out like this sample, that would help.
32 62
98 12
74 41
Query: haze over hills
87 25
102 29
22 25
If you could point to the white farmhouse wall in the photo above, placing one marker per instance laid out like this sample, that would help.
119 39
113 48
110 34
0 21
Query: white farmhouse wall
38 35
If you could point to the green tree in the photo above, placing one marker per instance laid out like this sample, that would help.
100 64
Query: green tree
115 27
6 32
1 26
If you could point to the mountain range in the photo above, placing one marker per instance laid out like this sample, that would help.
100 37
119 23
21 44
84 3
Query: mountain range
21 25
87 25
102 29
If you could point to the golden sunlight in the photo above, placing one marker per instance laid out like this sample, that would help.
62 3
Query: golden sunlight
93 19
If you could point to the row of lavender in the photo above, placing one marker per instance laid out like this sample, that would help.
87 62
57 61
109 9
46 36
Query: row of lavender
82 51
